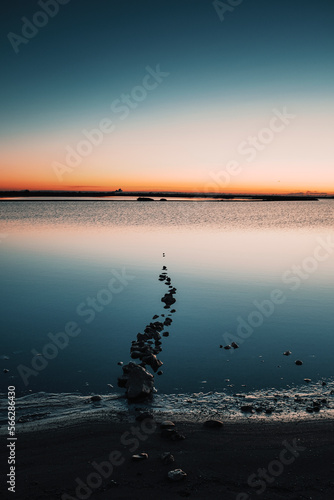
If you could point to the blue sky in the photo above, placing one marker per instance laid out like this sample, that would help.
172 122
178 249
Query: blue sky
223 76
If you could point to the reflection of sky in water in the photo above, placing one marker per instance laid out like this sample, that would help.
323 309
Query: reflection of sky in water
221 258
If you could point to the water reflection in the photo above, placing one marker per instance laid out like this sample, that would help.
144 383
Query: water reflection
222 259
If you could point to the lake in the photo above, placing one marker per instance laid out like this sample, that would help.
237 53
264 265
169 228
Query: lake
257 273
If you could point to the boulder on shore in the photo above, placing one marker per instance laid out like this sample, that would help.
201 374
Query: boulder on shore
139 383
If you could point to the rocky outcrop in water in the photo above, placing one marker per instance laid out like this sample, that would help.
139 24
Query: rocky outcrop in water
136 379
138 382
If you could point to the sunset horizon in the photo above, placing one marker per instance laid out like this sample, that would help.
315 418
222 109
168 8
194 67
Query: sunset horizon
237 107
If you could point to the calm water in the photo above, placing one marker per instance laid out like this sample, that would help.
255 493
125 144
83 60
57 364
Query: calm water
57 257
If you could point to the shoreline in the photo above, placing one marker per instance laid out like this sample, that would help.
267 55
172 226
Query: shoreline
309 400
219 462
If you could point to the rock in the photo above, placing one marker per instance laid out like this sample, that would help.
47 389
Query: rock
144 416
307 380
5 370
168 321
143 198
167 424
164 268
156 336
298 362
227 347
168 299
136 354
140 456
157 325
138 381
172 435
173 311
153 361
96 398
142 337
160 372
176 475
287 353
166 334
247 408
167 457
120 363
155 316
234 345
213 424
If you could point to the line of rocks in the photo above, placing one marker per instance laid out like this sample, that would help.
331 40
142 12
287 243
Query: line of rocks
136 379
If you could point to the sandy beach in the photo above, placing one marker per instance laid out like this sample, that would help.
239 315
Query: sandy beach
239 460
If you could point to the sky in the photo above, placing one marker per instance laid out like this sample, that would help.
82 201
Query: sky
174 95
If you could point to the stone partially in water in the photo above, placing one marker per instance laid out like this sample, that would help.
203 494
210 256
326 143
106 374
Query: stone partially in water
298 362
168 299
247 408
95 398
153 361
139 383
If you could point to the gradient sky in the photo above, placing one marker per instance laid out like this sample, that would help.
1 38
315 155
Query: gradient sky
225 78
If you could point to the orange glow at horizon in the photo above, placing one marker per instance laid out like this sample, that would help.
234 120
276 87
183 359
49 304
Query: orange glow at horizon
179 157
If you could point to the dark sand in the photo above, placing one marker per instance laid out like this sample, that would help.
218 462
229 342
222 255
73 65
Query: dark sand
218 461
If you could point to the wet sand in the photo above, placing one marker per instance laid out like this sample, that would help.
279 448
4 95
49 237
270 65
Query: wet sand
218 461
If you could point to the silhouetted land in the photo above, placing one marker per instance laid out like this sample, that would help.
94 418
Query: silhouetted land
158 194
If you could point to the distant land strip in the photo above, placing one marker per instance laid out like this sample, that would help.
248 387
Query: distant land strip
7 195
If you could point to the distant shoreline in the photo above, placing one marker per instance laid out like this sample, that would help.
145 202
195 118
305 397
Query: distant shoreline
27 195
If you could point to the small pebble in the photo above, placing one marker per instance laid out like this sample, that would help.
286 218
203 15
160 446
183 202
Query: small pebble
176 475
140 456
95 398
